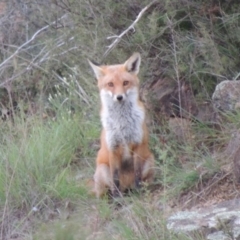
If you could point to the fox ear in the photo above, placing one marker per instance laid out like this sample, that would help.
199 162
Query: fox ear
96 69
133 63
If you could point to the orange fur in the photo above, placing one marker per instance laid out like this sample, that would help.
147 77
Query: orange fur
124 159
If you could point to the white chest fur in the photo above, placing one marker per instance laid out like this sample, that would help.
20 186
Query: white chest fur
123 120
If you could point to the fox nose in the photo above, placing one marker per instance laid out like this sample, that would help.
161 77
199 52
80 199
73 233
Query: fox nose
119 98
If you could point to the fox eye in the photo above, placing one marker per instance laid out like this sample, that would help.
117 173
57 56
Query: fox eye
110 84
125 83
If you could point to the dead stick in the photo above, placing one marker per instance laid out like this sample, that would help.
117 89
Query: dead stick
118 38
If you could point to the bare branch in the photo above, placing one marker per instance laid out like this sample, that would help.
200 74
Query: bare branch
30 40
118 38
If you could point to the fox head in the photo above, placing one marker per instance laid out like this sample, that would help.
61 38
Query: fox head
118 82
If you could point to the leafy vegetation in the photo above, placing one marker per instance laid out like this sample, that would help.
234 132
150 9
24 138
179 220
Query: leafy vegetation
49 107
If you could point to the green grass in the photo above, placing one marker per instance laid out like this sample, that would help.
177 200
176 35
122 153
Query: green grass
182 163
40 162
100 220
45 164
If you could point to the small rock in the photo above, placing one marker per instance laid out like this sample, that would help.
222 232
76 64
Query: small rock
218 236
226 96
214 222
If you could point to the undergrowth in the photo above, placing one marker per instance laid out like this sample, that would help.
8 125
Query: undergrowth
48 106
46 162
40 162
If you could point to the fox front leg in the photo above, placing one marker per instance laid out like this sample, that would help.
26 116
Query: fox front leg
137 172
115 172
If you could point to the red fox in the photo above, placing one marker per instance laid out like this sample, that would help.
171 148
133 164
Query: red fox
124 159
